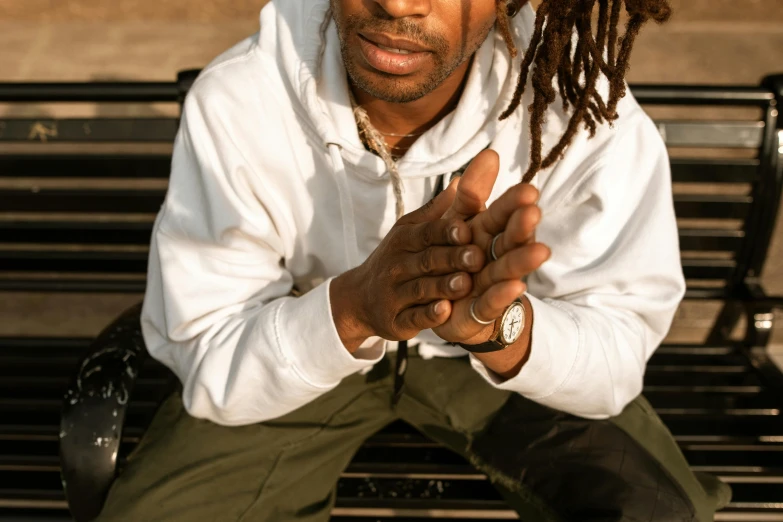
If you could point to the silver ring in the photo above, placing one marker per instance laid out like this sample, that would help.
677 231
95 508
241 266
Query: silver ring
475 317
492 249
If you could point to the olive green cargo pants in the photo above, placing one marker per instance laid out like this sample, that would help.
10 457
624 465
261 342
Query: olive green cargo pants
547 465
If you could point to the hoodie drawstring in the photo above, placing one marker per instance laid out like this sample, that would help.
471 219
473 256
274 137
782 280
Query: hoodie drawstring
346 206
377 143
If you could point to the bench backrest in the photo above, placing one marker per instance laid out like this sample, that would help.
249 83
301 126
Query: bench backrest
78 195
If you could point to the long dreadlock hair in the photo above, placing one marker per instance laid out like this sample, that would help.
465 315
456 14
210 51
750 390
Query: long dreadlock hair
575 64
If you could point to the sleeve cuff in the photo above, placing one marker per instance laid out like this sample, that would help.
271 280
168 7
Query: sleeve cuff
555 344
308 339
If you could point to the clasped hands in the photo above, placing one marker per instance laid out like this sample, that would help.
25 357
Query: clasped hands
435 262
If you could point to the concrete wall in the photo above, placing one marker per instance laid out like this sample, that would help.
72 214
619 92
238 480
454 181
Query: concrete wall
712 41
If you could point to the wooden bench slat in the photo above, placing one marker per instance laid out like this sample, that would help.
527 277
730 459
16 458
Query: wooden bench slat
63 283
701 239
698 95
104 166
85 262
755 426
149 201
124 262
138 233
698 170
45 343
67 285
719 206
136 166
708 268
76 232
105 201
713 134
696 379
89 130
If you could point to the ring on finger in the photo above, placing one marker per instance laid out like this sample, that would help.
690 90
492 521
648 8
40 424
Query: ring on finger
475 317
492 248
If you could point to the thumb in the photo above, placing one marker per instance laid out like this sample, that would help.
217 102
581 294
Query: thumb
475 185
434 208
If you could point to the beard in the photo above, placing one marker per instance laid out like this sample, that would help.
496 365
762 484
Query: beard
394 88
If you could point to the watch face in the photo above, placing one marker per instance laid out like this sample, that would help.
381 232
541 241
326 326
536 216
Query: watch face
513 323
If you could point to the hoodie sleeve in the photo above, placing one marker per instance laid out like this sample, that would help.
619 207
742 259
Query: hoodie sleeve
216 309
607 296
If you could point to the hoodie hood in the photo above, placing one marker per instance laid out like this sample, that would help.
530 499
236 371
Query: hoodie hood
308 53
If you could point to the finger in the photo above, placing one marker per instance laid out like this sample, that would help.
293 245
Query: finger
520 230
489 306
475 185
418 318
494 220
492 303
428 289
441 232
440 260
511 266
434 208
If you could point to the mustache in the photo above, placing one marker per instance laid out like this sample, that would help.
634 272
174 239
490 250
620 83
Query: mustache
402 28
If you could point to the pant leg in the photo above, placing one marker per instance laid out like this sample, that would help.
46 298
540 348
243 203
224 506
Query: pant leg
550 465
186 469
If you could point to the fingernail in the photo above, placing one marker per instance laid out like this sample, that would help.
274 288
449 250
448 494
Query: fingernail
468 258
454 234
456 283
438 308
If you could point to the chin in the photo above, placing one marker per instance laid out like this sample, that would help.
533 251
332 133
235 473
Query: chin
391 88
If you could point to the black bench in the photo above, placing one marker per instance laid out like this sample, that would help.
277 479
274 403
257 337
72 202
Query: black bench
720 397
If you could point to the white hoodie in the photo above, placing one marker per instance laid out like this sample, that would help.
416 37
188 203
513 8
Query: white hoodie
271 187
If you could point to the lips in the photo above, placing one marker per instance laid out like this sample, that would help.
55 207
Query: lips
393 55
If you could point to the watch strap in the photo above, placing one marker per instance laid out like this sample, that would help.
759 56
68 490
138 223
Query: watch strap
487 347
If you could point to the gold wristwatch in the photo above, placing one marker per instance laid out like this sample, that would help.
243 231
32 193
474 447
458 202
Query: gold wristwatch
508 330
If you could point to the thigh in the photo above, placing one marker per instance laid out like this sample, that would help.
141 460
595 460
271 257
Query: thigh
541 459
589 470
452 404
445 397
187 469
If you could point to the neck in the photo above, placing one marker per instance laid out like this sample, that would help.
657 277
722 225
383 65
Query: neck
413 117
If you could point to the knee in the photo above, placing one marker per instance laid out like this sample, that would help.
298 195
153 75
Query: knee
593 494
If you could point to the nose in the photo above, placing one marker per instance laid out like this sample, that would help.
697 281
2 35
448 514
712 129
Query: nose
404 8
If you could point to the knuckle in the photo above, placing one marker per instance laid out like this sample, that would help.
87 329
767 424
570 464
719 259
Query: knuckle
396 271
443 285
483 281
419 289
516 232
427 261
418 318
398 326
455 259
495 272
414 322
427 235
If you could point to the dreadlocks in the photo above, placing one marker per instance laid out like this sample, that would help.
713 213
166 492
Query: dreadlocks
576 63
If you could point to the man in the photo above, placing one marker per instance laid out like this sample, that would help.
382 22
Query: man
284 267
